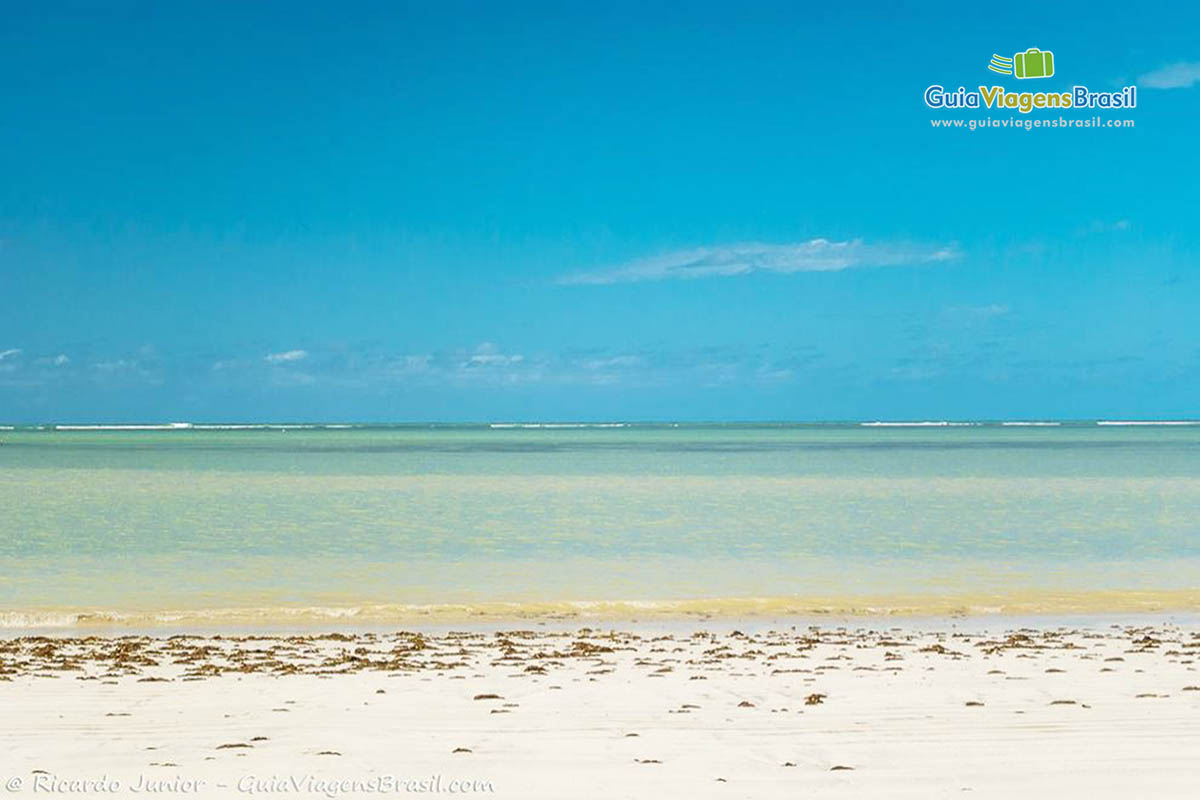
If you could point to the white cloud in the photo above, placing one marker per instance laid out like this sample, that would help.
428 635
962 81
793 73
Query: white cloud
814 255
1180 75
494 360
9 353
286 356
487 355
60 360
484 366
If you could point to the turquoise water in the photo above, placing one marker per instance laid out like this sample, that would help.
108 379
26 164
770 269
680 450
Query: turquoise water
388 521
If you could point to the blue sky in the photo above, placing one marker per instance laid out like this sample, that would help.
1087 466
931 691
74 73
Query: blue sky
375 212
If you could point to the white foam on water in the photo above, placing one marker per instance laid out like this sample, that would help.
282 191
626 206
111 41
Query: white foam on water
202 426
265 426
1147 422
555 425
170 426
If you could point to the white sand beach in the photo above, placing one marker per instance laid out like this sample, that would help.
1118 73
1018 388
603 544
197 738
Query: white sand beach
877 708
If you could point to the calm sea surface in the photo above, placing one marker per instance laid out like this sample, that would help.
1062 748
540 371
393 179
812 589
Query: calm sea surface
381 522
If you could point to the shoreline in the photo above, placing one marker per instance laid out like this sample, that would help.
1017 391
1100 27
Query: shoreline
640 624
1041 605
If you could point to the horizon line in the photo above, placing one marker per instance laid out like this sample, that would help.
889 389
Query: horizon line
510 423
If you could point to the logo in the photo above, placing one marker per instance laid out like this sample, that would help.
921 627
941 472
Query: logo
1001 64
1033 63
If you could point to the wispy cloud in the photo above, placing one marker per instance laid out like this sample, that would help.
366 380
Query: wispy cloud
814 255
612 363
117 365
488 355
286 356
1180 75
26 369
60 360
489 365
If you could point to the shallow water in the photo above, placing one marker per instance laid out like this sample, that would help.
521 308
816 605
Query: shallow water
381 522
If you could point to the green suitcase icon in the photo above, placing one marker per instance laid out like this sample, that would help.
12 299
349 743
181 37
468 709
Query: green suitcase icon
1033 63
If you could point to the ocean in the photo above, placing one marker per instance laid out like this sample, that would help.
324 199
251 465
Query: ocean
245 524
